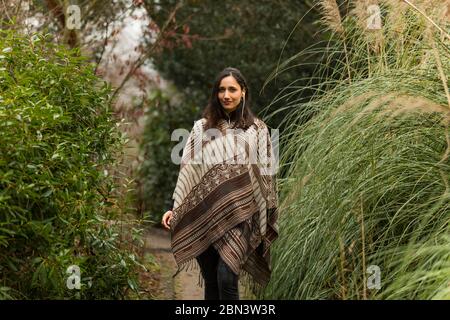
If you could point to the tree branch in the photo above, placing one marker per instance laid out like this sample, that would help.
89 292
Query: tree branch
144 56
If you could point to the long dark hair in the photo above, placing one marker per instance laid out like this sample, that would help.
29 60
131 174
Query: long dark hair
214 110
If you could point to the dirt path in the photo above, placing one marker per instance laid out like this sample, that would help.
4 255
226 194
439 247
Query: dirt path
184 286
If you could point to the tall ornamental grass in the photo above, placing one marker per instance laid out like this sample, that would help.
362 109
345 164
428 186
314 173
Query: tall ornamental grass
57 204
365 196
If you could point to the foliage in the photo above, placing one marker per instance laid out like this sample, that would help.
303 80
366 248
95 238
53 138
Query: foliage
57 203
367 178
248 35
157 174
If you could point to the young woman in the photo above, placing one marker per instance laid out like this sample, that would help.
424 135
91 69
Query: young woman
225 201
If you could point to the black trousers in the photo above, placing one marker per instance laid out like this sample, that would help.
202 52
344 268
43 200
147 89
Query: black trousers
220 282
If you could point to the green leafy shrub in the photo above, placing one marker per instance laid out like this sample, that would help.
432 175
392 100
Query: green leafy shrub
57 208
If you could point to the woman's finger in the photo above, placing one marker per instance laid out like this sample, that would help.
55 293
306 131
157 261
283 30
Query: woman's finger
167 220
164 222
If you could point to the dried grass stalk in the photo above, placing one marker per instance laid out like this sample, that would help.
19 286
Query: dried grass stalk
366 11
331 15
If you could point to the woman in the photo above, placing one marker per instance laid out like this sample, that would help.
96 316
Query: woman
225 201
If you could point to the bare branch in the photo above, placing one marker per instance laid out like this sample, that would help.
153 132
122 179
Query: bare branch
144 56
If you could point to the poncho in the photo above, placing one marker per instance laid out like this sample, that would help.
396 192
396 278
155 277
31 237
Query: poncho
226 196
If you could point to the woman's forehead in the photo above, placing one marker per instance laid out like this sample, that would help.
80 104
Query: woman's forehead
229 81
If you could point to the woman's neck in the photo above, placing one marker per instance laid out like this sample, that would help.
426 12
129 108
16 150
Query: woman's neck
228 116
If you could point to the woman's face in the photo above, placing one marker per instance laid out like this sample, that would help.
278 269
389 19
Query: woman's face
230 93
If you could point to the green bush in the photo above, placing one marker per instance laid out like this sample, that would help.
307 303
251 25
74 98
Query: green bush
157 174
57 209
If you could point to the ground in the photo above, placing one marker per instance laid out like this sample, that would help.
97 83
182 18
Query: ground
184 285
160 281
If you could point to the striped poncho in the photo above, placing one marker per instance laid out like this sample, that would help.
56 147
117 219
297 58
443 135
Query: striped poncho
226 196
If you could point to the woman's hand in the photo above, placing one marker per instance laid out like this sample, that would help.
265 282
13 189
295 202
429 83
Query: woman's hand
166 219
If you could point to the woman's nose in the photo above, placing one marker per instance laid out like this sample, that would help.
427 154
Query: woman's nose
226 95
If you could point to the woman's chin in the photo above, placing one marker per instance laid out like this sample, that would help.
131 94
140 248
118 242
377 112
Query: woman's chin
228 109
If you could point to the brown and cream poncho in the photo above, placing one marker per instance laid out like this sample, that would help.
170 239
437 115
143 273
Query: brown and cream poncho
226 196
